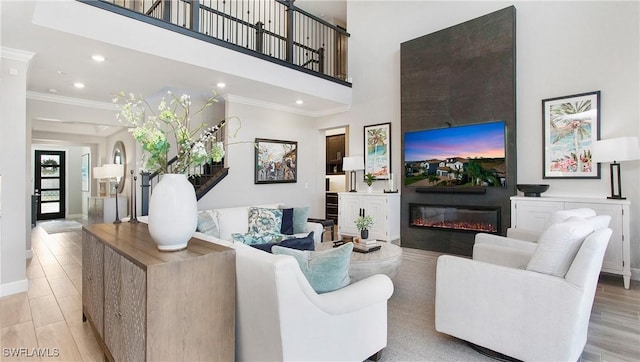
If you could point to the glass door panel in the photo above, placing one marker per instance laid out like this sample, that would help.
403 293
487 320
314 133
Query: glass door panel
50 184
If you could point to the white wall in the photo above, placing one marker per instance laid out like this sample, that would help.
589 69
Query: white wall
563 48
238 187
14 165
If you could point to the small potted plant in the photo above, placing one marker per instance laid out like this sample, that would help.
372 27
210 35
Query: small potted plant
363 223
369 178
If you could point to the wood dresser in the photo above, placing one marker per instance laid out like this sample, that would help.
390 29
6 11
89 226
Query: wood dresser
144 304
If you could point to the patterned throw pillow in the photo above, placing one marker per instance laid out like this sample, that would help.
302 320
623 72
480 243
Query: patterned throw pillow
208 223
263 221
257 238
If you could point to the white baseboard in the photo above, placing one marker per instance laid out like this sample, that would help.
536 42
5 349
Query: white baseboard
29 253
14 287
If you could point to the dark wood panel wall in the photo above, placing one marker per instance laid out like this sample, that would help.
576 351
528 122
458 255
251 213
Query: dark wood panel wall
461 75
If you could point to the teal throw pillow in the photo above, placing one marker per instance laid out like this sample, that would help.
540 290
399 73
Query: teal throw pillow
262 220
257 238
208 223
326 270
300 215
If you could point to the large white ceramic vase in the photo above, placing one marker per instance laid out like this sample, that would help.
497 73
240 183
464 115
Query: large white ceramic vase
173 212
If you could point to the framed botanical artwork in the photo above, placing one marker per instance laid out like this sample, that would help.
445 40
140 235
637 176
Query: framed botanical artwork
84 171
275 161
377 150
571 127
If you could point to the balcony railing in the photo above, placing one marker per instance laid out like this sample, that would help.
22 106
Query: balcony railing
271 29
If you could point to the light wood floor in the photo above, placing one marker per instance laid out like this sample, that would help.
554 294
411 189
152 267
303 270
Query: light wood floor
47 320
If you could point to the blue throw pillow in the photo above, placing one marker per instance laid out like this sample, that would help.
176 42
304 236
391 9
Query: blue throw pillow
287 222
305 243
326 270
300 215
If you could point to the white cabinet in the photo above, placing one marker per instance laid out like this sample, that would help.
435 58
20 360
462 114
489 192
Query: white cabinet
102 210
534 213
383 208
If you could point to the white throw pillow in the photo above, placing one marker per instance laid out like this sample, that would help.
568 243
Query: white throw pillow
597 222
558 246
562 215
232 220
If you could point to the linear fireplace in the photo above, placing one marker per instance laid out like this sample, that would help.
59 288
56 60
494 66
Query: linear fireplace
455 217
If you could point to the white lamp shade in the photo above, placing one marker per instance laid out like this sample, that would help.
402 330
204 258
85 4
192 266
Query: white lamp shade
353 163
113 170
616 149
98 172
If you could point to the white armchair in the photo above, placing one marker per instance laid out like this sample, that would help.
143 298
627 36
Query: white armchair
493 301
279 317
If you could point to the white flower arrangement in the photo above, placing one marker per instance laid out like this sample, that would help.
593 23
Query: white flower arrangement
364 222
172 118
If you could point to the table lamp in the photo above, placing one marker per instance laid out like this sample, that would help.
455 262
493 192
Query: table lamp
353 164
98 174
615 150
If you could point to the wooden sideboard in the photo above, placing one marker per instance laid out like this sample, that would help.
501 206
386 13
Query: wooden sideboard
144 304
384 208
103 209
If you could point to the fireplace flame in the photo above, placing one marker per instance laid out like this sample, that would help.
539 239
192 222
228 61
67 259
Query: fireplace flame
456 225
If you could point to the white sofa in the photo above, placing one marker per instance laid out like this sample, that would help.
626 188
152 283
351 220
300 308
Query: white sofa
236 220
279 317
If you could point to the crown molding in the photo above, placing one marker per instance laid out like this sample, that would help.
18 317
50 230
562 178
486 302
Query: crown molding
278 107
16 54
71 101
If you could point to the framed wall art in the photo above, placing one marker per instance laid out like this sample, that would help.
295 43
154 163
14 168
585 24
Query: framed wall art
571 126
84 171
377 150
275 161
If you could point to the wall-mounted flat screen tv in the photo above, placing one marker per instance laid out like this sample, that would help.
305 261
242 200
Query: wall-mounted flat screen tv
460 156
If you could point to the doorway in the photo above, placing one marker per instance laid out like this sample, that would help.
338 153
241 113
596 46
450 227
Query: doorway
49 184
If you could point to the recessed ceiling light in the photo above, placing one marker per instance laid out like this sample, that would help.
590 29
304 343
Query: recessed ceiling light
97 58
78 85
52 90
221 85
299 101
60 72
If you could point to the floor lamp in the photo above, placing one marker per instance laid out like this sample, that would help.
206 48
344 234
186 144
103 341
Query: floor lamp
353 164
114 171
616 150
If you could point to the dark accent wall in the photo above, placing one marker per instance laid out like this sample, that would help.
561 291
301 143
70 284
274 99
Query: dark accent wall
461 75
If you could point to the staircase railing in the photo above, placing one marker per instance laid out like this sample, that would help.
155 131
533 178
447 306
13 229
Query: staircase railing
203 178
272 29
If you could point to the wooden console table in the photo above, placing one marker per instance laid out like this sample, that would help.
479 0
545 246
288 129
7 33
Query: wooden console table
144 304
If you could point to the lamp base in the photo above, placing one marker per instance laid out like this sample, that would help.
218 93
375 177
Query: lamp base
616 198
352 182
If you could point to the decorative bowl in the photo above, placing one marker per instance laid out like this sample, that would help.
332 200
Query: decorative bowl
532 190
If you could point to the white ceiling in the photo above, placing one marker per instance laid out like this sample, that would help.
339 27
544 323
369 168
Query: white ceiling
62 58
